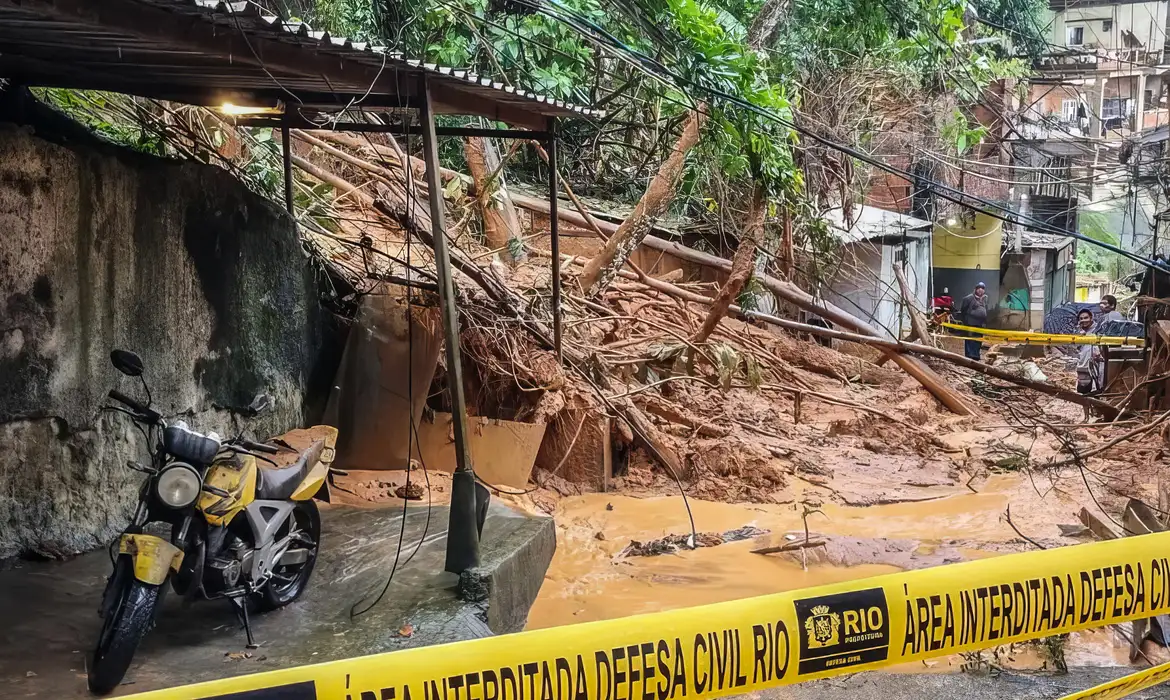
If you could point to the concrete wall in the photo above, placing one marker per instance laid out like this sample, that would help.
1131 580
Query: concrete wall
1146 21
865 284
102 248
965 254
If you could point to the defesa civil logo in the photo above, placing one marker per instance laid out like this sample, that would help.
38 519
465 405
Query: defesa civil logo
843 629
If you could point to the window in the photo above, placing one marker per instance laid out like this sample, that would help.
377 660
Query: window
1107 25
1068 110
1076 36
1116 107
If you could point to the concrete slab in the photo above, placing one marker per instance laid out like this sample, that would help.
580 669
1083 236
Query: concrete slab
50 622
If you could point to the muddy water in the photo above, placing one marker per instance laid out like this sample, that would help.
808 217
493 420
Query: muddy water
588 581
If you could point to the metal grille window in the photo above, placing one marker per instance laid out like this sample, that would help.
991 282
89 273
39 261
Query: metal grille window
1112 107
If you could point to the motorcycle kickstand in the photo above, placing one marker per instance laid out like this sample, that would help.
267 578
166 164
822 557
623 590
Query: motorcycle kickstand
241 604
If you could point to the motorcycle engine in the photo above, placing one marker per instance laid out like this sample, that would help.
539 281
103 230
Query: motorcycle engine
227 569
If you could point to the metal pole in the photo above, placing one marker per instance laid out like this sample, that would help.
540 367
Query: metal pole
288 182
554 236
462 530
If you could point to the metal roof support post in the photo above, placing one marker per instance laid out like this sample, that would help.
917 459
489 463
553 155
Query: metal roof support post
289 202
554 236
462 528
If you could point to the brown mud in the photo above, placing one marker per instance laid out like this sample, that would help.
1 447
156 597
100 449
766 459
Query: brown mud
878 494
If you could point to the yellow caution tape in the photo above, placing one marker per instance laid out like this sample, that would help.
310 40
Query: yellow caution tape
1126 685
996 335
745 645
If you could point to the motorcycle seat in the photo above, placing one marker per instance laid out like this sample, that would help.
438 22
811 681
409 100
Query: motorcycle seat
276 483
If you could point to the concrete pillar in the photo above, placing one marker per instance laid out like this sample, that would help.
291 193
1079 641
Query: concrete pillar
1095 102
1139 101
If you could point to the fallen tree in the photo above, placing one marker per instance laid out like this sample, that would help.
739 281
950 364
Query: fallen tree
659 194
496 210
892 346
935 384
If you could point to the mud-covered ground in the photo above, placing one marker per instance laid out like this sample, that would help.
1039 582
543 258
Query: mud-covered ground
891 483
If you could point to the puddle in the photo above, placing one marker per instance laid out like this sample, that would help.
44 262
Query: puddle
587 582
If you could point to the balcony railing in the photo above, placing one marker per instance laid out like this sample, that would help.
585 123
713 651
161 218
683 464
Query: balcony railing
1092 57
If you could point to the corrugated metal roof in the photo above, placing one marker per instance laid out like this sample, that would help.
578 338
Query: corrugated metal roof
200 48
871 222
1031 239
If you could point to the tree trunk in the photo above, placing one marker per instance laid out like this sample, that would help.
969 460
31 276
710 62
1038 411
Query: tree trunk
789 292
741 265
659 194
500 223
788 252
916 323
763 28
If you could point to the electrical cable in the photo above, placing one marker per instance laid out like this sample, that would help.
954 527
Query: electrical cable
660 72
411 430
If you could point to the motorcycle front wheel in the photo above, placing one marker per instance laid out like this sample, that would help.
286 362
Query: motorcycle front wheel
127 620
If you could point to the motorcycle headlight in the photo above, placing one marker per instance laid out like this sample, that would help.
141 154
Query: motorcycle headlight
178 486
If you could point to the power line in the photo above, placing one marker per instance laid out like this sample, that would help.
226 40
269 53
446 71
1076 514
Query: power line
599 35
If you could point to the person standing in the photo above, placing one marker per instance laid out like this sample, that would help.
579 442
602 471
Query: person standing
1090 361
973 312
1109 310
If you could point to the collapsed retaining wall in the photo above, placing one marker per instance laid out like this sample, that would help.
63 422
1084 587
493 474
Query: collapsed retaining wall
102 247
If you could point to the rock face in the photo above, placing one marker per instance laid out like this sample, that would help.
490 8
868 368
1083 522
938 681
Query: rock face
101 247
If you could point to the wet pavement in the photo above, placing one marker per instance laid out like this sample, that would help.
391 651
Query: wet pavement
50 622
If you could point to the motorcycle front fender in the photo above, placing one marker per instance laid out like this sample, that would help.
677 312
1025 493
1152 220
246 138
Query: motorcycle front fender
154 558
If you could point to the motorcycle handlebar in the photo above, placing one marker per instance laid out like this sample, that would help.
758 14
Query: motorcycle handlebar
120 397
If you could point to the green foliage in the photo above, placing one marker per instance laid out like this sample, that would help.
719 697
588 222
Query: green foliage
744 144
537 52
749 296
956 130
1025 22
1092 259
107 114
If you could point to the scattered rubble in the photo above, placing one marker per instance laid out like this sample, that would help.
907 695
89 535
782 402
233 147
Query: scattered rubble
673 543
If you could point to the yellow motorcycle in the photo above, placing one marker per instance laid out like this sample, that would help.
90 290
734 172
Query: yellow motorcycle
242 525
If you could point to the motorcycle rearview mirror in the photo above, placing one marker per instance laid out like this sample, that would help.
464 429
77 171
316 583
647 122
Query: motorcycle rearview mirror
126 362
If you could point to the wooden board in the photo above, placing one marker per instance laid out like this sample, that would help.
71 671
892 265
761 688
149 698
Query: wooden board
502 452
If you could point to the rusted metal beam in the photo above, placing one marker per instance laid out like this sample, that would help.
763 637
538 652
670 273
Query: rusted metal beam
362 127
152 32
286 152
462 530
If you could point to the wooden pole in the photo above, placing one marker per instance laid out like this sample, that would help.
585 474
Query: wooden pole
289 202
554 237
462 530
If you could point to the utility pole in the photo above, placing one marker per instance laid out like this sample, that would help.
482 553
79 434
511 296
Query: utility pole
462 528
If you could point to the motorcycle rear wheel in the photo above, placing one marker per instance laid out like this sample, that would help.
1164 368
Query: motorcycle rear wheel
288 583
127 621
